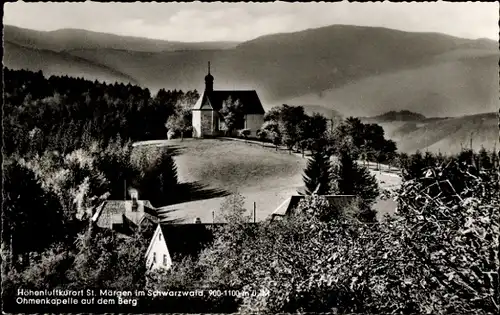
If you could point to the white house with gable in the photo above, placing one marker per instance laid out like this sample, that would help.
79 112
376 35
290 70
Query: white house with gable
172 242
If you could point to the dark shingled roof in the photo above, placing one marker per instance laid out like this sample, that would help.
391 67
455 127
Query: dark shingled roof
188 239
249 99
117 214
286 208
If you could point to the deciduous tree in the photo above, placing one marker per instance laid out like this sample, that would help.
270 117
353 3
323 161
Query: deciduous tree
273 133
33 217
232 113
181 120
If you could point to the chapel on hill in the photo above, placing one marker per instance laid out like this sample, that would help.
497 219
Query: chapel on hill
208 122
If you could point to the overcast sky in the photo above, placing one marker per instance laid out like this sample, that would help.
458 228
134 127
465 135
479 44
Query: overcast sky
243 21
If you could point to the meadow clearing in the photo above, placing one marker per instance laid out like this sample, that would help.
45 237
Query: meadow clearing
215 168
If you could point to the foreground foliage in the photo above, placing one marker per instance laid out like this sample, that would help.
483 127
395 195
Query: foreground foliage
453 234
99 259
438 255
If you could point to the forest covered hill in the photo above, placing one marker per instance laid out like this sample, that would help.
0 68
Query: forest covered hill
361 71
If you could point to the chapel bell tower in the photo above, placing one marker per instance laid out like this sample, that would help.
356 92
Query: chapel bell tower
209 81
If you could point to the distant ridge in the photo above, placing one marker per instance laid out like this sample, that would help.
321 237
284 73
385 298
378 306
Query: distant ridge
70 39
17 57
354 70
329 113
402 115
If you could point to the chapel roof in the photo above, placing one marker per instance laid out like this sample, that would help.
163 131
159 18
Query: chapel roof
249 99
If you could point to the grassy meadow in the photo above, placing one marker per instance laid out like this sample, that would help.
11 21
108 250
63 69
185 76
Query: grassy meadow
215 168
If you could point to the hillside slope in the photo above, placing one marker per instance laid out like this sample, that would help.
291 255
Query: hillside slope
69 39
360 71
452 88
401 115
52 63
215 168
446 135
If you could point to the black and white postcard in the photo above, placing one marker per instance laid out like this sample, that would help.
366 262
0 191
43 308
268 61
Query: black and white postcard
254 158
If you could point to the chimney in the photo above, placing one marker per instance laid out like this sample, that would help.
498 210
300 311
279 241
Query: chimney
134 195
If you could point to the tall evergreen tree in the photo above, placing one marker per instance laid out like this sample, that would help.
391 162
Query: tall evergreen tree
167 175
350 178
318 173
158 179
485 162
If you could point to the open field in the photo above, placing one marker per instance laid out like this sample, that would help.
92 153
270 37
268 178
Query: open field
215 168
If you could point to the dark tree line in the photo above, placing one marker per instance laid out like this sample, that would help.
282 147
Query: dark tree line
63 113
292 127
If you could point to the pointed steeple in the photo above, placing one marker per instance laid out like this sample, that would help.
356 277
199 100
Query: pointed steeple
209 81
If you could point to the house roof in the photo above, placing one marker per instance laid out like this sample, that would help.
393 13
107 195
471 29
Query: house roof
249 99
119 212
293 201
188 239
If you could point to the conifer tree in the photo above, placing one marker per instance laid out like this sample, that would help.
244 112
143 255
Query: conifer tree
159 179
349 178
485 162
415 166
167 173
318 173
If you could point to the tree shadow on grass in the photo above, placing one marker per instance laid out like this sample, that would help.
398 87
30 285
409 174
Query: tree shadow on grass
174 150
164 215
164 218
195 191
172 221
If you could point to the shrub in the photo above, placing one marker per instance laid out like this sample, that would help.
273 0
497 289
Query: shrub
262 135
244 133
171 134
